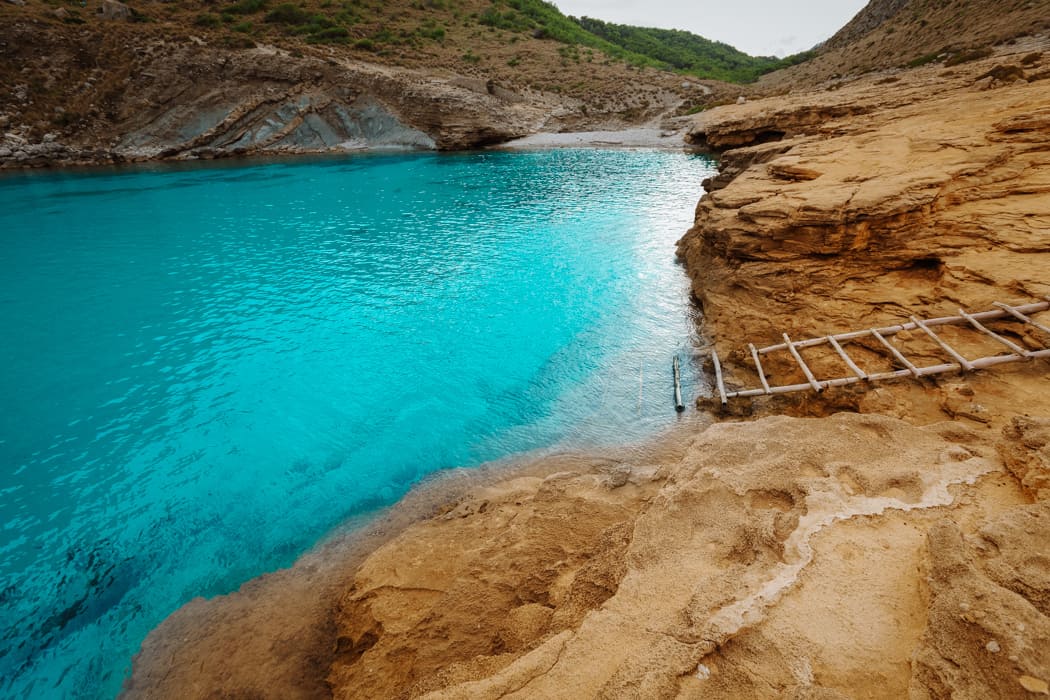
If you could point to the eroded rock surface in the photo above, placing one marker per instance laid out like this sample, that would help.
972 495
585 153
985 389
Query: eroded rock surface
195 102
983 636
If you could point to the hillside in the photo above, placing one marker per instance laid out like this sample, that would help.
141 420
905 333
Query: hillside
689 53
87 75
891 34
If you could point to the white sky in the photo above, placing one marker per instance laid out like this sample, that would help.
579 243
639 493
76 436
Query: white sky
757 27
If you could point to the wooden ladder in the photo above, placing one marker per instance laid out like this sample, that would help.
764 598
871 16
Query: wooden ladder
960 363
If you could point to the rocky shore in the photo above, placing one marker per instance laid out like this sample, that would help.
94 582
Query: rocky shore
857 544
124 94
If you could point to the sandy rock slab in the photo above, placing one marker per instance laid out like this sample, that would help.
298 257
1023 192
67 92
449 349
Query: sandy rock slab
983 638
779 558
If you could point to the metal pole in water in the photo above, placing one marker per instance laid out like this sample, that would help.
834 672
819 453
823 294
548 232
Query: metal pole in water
678 405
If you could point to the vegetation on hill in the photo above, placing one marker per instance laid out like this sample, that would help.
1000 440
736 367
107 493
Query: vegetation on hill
667 49
688 52
415 28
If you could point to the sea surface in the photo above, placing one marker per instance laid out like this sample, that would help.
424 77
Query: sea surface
204 369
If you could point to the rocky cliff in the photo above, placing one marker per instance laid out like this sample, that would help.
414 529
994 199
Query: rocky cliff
179 99
113 83
906 193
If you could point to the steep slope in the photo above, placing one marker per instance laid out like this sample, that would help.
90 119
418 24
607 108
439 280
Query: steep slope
898 33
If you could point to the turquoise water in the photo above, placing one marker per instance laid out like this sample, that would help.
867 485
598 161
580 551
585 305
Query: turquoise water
206 369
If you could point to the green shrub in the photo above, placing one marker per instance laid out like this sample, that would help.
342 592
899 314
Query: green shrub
365 45
287 13
431 30
967 56
243 27
207 20
922 60
330 35
471 57
246 7
509 20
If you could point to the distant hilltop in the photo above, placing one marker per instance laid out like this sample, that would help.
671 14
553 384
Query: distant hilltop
908 33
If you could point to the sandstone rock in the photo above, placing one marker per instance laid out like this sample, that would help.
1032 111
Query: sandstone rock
746 124
1012 557
912 213
642 603
1003 74
1025 450
1034 685
784 170
952 659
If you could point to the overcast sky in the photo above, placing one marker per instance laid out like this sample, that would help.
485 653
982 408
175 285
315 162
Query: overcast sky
757 27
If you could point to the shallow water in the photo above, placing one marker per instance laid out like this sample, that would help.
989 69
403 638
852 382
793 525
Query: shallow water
205 369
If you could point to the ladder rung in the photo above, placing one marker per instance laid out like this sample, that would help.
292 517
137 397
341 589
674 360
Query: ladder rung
963 362
896 353
758 366
846 358
801 363
1021 317
1014 347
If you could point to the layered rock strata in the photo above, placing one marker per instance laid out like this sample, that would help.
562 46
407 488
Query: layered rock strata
204 103
932 195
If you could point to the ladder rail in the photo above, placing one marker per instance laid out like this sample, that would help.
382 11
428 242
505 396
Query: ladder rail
758 366
890 330
981 363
